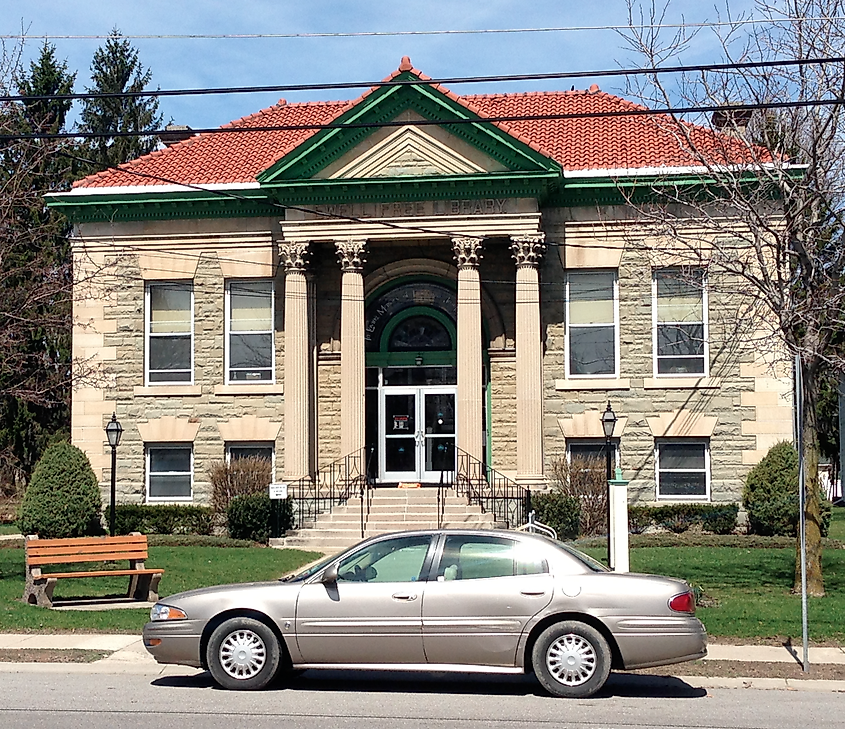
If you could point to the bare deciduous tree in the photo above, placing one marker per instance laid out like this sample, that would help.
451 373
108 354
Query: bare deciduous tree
766 219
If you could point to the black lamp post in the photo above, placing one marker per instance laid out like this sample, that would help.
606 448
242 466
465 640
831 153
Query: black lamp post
608 423
113 432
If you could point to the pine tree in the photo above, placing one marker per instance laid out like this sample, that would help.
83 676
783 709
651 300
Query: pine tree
35 268
116 69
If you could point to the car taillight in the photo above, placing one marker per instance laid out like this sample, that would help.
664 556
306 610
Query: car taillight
683 603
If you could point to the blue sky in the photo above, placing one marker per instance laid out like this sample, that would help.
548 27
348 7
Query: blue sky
189 63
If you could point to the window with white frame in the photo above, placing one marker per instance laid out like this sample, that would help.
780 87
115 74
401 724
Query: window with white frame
251 449
169 333
683 469
680 322
592 330
249 337
590 454
170 472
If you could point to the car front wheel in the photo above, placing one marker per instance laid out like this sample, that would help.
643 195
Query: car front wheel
571 659
243 654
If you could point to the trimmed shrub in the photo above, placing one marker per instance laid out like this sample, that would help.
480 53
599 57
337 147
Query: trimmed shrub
63 497
559 511
770 495
719 518
249 517
640 518
163 519
585 480
241 477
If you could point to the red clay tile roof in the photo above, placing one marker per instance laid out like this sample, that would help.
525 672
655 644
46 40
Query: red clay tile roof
611 143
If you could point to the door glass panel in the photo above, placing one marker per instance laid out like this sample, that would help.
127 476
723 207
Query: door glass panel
439 414
440 454
400 454
400 414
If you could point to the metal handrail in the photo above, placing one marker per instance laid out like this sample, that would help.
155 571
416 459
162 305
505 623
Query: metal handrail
537 527
508 501
330 486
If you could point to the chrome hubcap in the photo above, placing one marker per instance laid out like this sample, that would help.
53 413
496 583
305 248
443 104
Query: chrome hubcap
571 659
242 654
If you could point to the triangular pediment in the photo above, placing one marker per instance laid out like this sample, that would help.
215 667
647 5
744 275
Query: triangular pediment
402 131
410 152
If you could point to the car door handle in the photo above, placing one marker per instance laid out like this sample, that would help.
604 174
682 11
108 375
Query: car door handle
404 596
533 593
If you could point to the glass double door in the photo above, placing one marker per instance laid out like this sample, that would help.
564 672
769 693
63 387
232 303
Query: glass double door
418 433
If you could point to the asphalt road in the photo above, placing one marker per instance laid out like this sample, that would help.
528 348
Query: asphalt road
394 701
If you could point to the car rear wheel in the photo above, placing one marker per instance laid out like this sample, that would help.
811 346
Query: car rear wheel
571 659
243 654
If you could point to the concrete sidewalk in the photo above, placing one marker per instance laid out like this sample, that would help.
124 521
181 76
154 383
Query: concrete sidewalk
128 656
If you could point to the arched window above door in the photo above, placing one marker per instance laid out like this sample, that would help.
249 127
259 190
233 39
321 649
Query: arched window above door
420 333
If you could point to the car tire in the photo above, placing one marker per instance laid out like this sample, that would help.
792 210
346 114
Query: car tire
243 654
571 659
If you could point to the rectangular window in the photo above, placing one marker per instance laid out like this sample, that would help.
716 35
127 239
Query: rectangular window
590 454
169 472
249 322
170 333
680 322
592 330
251 450
683 469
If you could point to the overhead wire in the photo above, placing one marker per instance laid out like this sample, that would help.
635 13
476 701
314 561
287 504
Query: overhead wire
403 33
450 80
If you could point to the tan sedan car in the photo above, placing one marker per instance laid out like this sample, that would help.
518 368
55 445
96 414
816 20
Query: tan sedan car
446 600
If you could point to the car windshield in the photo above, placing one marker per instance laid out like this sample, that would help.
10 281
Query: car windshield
586 559
306 573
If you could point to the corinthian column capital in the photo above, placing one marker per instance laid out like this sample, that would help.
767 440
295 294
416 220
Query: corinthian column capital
527 250
351 254
467 251
294 255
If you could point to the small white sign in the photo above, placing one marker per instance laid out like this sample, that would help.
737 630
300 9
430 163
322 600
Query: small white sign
278 490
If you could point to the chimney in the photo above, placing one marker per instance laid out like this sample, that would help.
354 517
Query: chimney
732 121
175 133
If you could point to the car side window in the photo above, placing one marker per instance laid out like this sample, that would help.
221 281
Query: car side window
390 560
479 557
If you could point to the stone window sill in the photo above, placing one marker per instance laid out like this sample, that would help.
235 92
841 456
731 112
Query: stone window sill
168 391
682 383
257 389
593 384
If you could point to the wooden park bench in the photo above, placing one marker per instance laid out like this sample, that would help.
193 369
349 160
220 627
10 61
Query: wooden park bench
143 582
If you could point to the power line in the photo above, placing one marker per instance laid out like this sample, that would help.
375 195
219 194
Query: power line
405 33
667 111
453 80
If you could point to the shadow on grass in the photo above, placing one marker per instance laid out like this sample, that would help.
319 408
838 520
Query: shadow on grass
413 682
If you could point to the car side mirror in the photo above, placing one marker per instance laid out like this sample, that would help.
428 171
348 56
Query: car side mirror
329 576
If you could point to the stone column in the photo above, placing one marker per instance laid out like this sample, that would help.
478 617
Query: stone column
527 251
350 255
469 406
297 426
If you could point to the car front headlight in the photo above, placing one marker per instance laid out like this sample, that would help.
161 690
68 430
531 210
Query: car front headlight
166 612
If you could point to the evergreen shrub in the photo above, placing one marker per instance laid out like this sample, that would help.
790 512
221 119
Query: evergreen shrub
63 496
252 517
558 510
163 519
770 494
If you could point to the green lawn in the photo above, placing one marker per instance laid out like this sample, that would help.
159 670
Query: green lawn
185 568
837 523
9 529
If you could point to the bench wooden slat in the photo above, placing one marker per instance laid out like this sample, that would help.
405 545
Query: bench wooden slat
81 541
97 557
104 573
88 549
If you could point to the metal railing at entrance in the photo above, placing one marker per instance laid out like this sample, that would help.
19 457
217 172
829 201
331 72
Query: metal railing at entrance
332 485
495 493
